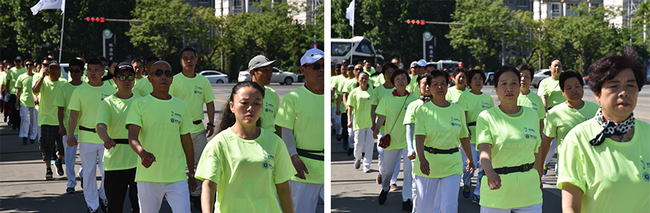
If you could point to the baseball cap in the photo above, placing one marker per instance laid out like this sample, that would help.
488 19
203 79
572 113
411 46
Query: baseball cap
18 58
124 66
261 61
311 56
350 66
414 63
422 63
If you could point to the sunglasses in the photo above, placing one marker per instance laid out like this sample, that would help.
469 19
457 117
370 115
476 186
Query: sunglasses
160 72
75 70
315 66
28 65
46 64
359 69
124 77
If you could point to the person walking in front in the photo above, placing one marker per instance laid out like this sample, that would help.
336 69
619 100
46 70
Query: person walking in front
359 104
26 106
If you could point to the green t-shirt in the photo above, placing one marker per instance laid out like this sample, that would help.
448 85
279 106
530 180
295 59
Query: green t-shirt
3 79
302 111
24 83
453 94
515 139
113 112
360 101
143 87
394 108
409 117
349 85
474 104
12 75
614 176
246 171
442 127
532 101
195 92
161 122
35 78
413 87
551 88
562 118
48 113
340 88
379 80
334 81
86 99
271 105
63 100
380 92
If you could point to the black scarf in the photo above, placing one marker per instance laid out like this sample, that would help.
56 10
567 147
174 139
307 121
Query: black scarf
610 128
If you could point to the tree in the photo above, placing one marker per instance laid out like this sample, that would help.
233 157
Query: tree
485 27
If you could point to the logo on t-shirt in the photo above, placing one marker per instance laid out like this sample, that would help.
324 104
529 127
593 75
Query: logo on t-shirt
175 118
455 122
530 133
265 164
485 105
268 107
198 90
105 96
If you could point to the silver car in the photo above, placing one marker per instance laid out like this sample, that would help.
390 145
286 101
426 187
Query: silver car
215 77
279 76
539 76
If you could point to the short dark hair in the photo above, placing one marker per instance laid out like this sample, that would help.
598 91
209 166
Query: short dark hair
45 58
136 60
426 75
77 62
29 59
359 74
187 49
473 72
338 66
608 67
437 73
400 72
552 60
152 58
388 65
505 69
459 70
94 61
570 74
101 58
111 62
526 66
435 66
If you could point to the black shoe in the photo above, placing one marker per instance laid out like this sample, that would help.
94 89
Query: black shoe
338 137
81 179
24 141
92 211
32 141
196 201
69 190
48 174
382 197
350 151
59 167
407 205
103 204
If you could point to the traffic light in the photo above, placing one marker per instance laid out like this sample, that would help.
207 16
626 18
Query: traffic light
416 22
95 19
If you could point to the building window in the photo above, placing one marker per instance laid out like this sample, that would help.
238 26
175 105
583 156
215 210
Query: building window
522 3
594 5
204 1
568 11
237 6
555 10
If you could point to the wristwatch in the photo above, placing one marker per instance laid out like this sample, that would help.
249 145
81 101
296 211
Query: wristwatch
190 175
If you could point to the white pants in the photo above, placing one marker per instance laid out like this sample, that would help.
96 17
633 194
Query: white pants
351 132
150 196
441 194
467 177
551 151
363 141
535 208
414 189
199 140
92 155
391 158
70 159
336 121
305 196
380 156
28 122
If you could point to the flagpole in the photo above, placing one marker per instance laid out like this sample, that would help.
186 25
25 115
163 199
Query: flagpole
352 45
62 28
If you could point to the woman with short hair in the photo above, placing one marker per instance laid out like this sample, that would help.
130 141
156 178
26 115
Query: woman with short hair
359 101
605 160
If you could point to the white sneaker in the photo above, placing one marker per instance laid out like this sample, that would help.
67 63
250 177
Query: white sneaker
357 164
366 169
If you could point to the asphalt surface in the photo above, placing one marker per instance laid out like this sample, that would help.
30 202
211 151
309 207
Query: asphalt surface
22 171
355 191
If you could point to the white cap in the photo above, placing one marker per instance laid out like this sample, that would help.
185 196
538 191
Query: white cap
414 63
422 63
311 56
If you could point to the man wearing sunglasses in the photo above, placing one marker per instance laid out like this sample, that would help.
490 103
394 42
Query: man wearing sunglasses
159 132
119 159
12 76
62 100
261 71
301 117
196 91
47 116
84 105
28 122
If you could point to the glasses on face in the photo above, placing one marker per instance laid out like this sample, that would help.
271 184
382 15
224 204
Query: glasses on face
315 66
45 64
124 77
95 71
160 72
28 65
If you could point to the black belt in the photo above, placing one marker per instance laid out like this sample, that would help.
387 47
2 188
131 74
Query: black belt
471 123
87 129
121 141
197 122
440 151
507 170
309 154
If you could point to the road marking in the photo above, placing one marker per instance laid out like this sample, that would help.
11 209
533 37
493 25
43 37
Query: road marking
221 101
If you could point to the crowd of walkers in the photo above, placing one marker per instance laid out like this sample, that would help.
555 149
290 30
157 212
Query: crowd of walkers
148 137
445 134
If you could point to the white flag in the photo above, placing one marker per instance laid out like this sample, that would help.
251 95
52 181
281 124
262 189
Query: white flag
48 5
349 13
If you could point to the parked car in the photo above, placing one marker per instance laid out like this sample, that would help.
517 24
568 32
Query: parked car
215 77
279 76
539 76
489 78
65 68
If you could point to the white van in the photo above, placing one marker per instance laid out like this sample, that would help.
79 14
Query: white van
363 50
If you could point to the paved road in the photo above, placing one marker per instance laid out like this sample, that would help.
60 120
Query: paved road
22 188
355 191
